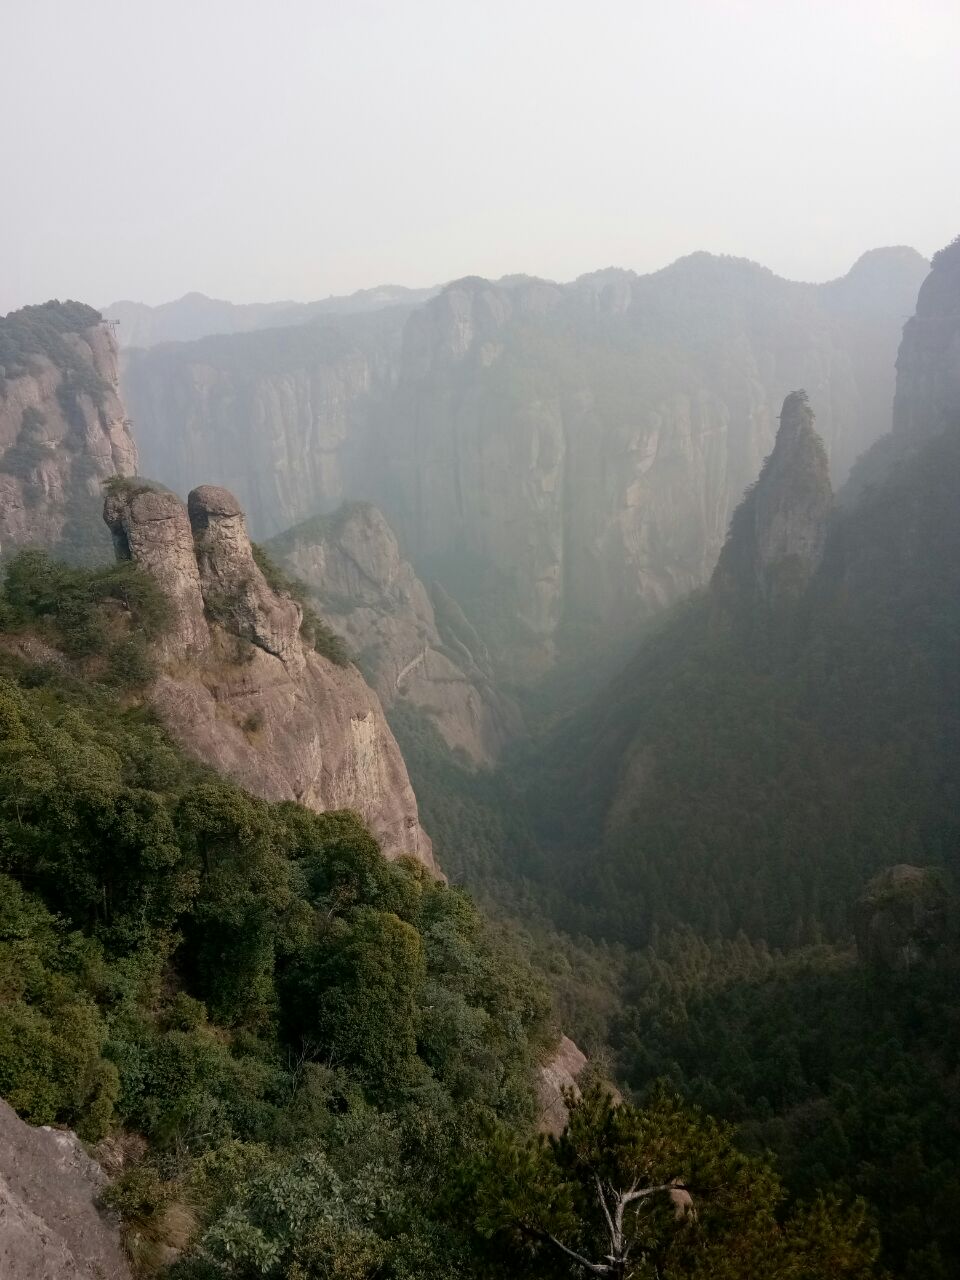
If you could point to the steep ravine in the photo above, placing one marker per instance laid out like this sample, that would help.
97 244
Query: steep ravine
564 459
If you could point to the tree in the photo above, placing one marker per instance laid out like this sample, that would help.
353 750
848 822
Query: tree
659 1193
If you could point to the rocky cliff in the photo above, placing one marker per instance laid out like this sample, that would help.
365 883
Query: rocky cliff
50 1225
414 650
928 365
241 688
564 459
778 532
755 774
63 430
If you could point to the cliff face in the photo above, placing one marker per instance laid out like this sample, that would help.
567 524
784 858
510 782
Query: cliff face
50 1227
563 459
241 689
413 653
928 365
63 430
779 531
744 772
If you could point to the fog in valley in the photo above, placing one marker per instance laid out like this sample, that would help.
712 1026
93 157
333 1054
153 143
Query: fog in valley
479 618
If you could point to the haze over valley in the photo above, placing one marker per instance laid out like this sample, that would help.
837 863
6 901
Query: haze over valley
480 753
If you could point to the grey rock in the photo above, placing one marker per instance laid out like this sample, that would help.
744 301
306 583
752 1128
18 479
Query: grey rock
564 459
241 690
50 1225
778 533
56 451
412 654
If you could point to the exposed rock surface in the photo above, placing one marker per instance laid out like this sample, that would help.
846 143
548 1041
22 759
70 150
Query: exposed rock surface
558 1074
928 366
412 653
63 430
50 1226
564 459
778 532
240 688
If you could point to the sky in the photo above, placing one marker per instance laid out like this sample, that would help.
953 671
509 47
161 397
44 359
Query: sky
265 149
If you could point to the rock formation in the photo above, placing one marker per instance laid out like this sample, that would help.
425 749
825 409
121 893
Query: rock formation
563 459
50 1225
778 532
239 686
928 366
63 430
556 1076
412 650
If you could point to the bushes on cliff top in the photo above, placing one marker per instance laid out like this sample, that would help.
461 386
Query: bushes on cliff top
112 612
39 331
201 966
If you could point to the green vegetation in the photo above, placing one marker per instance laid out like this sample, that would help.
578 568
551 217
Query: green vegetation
323 1055
40 331
103 617
657 1191
236 981
314 630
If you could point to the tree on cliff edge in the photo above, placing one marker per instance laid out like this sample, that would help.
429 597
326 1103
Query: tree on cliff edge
658 1192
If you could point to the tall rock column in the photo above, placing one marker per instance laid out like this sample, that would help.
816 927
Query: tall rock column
241 690
777 534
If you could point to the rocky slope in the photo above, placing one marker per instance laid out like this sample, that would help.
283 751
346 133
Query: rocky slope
564 459
241 688
416 651
50 1225
63 429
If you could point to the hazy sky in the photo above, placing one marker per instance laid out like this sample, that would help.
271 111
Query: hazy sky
263 149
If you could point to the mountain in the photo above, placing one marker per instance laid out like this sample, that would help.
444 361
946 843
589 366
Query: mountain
195 315
63 430
415 647
563 459
250 686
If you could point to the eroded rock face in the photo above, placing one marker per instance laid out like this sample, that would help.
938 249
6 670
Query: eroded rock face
241 690
151 527
63 431
412 653
50 1225
779 531
563 459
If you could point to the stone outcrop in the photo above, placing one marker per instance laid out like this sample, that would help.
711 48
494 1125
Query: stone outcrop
556 1076
50 1225
778 533
413 651
564 459
63 430
241 689
928 366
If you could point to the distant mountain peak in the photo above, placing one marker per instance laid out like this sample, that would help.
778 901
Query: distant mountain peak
778 532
